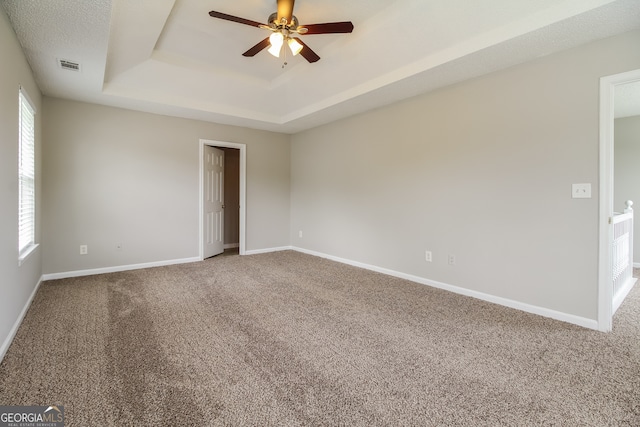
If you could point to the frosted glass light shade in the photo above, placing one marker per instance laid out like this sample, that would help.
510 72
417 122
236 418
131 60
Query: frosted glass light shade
295 46
276 40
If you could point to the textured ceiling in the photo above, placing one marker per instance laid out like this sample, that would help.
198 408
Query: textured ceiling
627 100
170 57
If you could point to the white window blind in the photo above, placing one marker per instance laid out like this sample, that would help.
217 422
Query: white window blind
26 176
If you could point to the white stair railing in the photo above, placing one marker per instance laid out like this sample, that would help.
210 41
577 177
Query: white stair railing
622 255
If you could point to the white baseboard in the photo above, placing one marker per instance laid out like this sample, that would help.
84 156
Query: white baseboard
14 330
231 245
91 272
636 265
267 250
541 311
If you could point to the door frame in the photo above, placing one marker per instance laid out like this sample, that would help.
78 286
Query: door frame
605 283
243 191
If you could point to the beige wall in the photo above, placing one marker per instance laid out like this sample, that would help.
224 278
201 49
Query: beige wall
115 176
16 282
627 172
481 170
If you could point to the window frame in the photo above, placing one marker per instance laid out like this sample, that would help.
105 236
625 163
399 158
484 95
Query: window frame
26 176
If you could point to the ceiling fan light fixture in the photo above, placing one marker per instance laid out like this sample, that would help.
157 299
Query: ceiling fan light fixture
295 46
276 39
283 24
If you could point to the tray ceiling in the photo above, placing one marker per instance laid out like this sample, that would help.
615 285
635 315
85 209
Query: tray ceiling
170 57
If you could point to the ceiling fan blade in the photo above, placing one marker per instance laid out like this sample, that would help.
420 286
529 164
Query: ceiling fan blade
232 18
285 9
257 48
306 52
329 28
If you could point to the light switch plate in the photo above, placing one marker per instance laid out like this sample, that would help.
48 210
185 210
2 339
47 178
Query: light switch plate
581 191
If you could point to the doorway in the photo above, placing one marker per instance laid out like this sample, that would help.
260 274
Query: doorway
241 201
605 265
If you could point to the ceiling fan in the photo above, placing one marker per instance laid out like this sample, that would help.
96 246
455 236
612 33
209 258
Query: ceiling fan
283 26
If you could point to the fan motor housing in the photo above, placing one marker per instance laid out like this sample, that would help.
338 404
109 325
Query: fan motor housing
273 22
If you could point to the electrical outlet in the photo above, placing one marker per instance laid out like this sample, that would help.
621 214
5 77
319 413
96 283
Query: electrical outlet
300 234
451 260
581 191
428 256
84 250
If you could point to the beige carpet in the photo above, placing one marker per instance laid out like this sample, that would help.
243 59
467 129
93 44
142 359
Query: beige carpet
286 339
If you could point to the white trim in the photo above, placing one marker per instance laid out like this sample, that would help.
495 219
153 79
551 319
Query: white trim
14 330
545 312
243 192
636 265
91 272
605 285
22 258
24 93
268 250
231 245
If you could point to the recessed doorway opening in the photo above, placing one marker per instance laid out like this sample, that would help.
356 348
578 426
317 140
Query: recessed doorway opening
237 202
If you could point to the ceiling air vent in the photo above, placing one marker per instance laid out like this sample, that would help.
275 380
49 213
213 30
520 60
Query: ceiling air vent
69 65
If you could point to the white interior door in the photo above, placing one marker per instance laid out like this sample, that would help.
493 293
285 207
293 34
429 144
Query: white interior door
213 201
242 196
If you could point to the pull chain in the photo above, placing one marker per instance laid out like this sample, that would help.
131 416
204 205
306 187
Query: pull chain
285 54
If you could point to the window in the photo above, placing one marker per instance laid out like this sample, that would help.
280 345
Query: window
26 178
